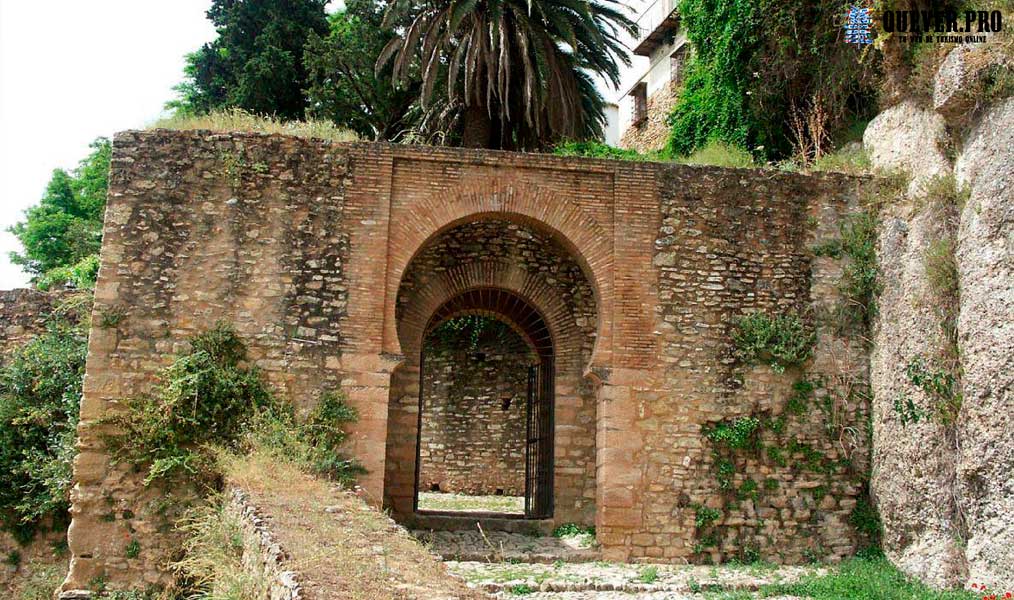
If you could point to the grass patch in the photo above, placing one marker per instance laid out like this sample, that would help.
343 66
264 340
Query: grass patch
213 562
720 154
648 574
235 119
716 154
863 579
851 159
340 547
41 580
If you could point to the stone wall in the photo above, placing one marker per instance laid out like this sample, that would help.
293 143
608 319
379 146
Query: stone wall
202 228
24 314
727 247
471 441
653 133
263 559
331 260
942 484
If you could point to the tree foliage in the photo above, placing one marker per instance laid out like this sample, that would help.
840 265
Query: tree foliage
40 393
342 85
520 70
761 66
65 229
257 61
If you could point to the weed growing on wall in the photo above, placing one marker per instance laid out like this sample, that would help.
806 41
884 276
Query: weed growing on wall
40 394
213 550
205 397
777 340
858 284
939 385
315 446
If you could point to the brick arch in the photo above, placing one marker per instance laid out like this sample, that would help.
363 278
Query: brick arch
587 242
490 274
514 311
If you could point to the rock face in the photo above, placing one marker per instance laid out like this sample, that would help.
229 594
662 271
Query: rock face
944 489
909 138
985 257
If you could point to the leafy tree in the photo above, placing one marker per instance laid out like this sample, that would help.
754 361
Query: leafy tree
40 392
770 76
520 70
342 86
257 62
65 229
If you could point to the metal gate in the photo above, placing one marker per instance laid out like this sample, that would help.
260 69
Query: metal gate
539 442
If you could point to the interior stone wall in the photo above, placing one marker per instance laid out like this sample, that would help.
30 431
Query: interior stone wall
470 442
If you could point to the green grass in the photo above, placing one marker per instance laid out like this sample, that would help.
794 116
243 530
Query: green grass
648 574
716 154
720 154
851 159
854 579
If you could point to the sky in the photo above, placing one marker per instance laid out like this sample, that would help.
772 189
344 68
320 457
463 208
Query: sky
71 71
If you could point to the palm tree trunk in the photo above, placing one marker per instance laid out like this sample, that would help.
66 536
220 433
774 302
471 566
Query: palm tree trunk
477 131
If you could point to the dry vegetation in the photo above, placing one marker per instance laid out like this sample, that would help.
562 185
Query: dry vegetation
340 547
240 120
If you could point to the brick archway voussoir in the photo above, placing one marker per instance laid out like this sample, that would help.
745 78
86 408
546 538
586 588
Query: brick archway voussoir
578 233
490 274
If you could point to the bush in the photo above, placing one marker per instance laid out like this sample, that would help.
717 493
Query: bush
80 275
206 396
315 446
40 396
780 340
720 154
600 150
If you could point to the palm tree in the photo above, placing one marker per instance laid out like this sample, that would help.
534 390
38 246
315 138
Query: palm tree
520 71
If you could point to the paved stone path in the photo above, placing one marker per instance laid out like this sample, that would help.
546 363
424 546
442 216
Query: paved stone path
499 546
610 581
517 566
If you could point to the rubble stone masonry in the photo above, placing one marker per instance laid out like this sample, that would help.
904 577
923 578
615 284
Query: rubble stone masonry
317 253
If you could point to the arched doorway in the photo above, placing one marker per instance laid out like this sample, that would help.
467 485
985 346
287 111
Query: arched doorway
517 273
486 430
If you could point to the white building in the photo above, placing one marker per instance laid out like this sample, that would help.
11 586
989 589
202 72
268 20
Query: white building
649 86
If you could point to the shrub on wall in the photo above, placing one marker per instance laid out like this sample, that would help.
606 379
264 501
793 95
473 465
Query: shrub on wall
208 399
40 392
778 340
206 396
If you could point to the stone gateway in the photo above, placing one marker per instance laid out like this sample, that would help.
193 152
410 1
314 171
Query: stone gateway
621 283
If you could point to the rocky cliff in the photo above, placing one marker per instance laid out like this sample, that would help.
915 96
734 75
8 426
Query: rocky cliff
941 368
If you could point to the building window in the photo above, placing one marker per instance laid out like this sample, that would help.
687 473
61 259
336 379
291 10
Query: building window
677 62
640 95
